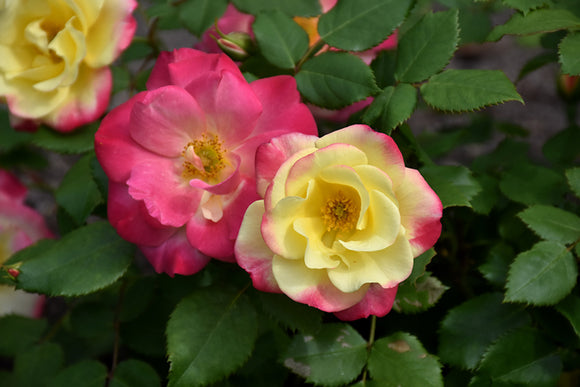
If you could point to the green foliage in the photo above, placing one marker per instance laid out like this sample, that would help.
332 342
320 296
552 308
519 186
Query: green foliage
392 107
79 141
570 308
542 20
454 185
530 184
420 296
552 223
357 25
89 373
335 79
401 360
291 8
199 15
281 40
210 334
38 365
573 176
427 47
333 356
24 333
133 373
466 90
569 54
468 330
525 5
543 275
298 317
95 249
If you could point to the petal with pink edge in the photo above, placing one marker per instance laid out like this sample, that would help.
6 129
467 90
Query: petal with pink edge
165 120
380 149
252 253
11 187
175 256
377 301
311 287
166 194
421 211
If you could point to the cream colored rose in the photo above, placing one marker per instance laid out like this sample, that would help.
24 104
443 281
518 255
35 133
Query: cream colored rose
55 55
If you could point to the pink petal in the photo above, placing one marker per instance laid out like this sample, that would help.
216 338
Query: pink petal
228 185
379 148
175 256
166 194
421 211
230 105
11 188
131 219
340 115
165 120
252 253
217 239
377 301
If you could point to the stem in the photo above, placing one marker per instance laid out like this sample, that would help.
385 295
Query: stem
117 328
311 51
370 344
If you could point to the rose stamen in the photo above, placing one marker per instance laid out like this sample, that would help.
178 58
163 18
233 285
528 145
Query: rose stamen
204 158
340 213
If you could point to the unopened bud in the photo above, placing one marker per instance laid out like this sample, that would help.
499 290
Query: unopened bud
14 273
238 45
568 85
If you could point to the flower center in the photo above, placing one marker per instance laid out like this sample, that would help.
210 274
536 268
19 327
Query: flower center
340 213
204 158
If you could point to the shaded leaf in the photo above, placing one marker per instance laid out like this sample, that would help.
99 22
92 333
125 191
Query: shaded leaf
531 184
24 332
468 329
427 47
281 41
198 15
209 335
401 360
570 54
562 148
335 80
537 62
335 355
453 184
573 177
420 296
135 373
466 90
543 275
87 373
291 8
525 5
79 141
357 25
289 313
37 366
392 107
542 20
570 308
552 223
497 263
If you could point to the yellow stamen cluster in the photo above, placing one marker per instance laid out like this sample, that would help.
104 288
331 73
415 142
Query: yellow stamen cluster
340 213
209 150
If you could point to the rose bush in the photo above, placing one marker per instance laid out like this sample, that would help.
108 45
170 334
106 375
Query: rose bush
55 57
341 221
180 156
20 226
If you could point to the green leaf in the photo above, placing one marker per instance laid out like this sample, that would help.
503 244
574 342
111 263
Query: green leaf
135 373
61 270
291 8
209 335
531 184
281 40
486 199
121 78
139 49
427 47
562 148
542 20
525 5
419 265
570 54
474 25
198 15
335 79
289 313
552 223
37 366
523 357
24 332
453 184
569 307
78 193
166 14
335 355
471 327
87 373
573 176
401 360
383 67
496 266
357 25
466 90
79 141
392 107
10 138
537 62
420 296
542 275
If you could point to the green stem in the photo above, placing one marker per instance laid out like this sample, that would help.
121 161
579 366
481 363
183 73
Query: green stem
117 328
310 53
370 344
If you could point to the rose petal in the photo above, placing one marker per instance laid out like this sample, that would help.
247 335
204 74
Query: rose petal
377 301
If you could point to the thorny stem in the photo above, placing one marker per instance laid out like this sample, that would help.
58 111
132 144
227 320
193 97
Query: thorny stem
370 343
117 328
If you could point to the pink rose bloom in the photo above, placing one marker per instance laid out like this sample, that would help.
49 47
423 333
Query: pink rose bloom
340 223
55 58
180 156
20 226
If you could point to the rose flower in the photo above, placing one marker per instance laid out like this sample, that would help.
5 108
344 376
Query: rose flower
20 226
55 55
341 221
180 156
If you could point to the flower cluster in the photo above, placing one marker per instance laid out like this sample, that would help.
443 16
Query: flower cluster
55 58
20 226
